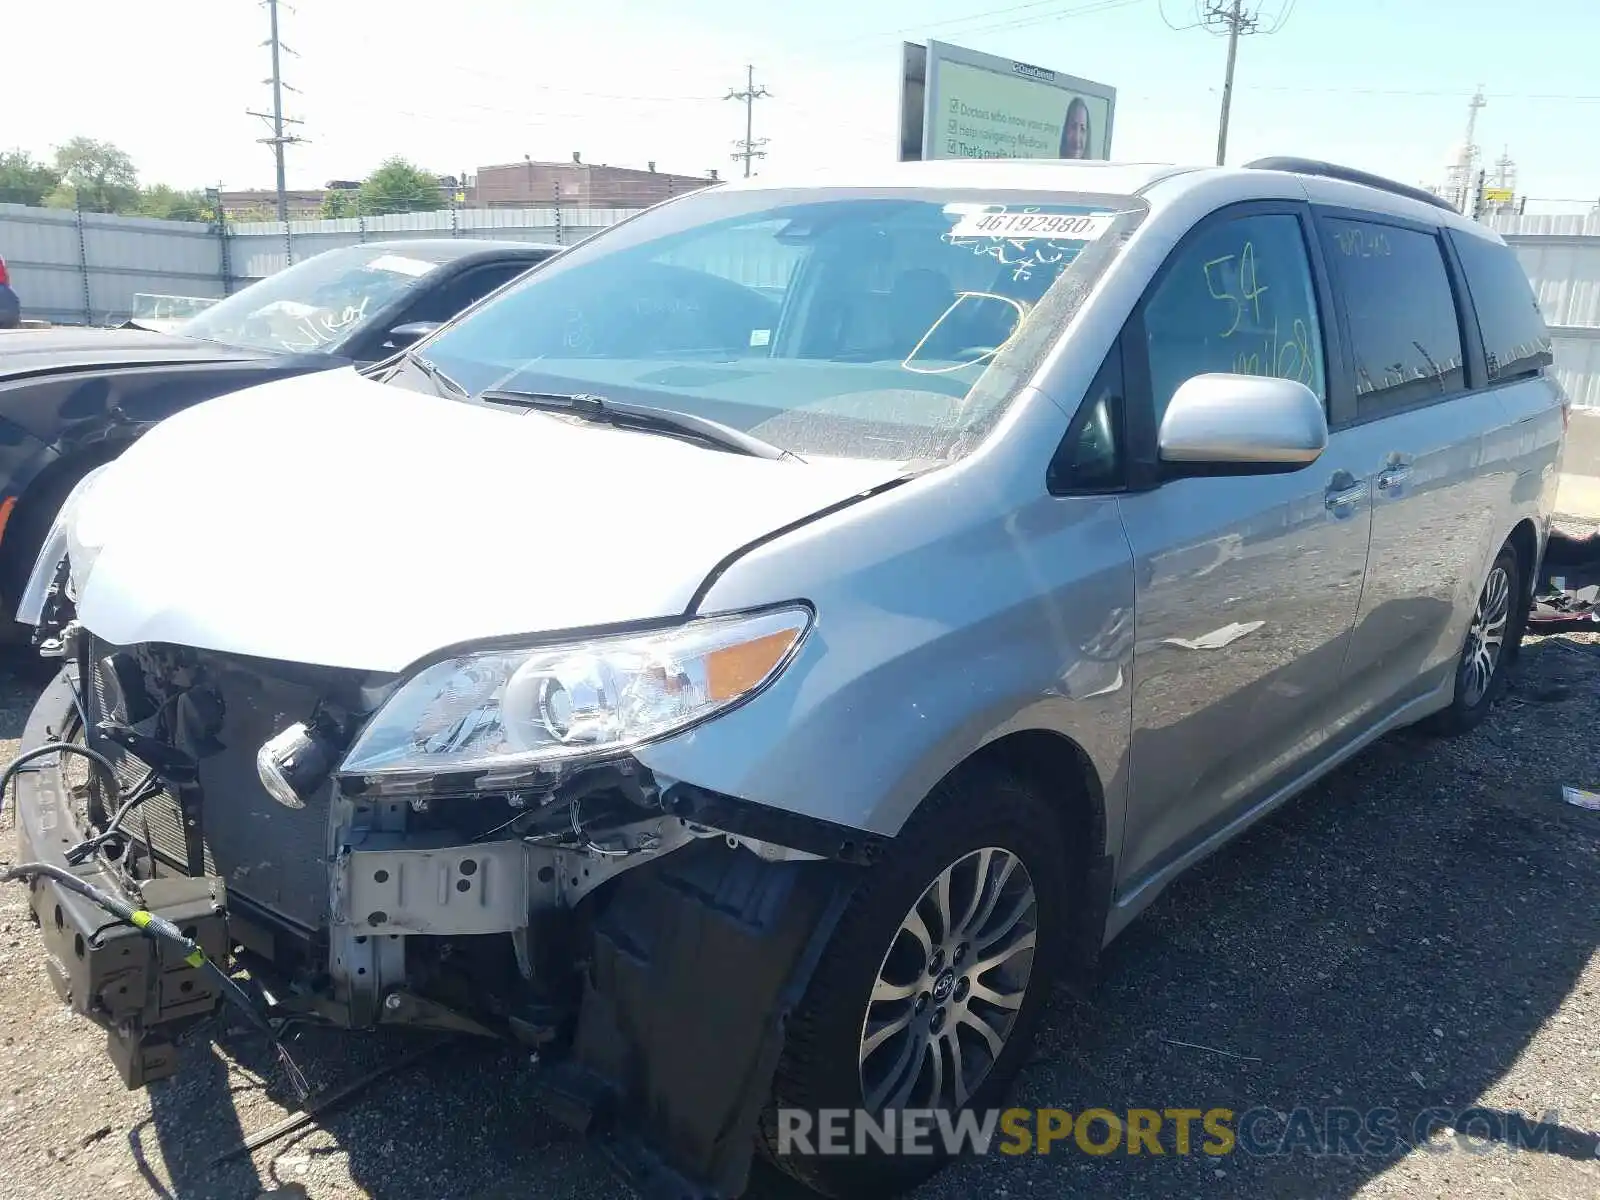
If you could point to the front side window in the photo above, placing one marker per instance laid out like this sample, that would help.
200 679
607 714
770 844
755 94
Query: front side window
1239 299
1516 341
890 324
1404 333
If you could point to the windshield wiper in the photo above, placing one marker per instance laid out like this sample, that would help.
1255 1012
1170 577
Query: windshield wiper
641 417
442 383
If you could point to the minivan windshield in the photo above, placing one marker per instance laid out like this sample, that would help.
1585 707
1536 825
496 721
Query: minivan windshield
314 304
889 324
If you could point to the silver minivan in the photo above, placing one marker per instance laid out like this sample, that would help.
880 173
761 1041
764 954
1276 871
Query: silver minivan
751 658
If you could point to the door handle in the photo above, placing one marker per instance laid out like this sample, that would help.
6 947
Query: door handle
1392 479
1340 500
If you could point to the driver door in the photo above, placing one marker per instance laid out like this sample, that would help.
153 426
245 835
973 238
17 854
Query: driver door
1246 587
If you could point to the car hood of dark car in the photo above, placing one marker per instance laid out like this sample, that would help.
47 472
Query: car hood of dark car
28 352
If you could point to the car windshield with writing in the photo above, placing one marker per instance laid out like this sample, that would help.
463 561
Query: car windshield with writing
889 324
314 304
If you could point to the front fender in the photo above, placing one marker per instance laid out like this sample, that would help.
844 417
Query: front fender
923 654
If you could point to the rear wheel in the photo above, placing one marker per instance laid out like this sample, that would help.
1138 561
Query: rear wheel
930 993
1491 644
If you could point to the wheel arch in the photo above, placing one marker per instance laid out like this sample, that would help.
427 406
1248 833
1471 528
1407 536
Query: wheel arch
38 501
1524 539
1063 772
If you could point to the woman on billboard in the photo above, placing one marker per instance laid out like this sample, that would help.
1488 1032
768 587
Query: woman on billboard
1075 139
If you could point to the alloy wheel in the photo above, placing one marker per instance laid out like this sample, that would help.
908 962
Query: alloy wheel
1486 637
951 985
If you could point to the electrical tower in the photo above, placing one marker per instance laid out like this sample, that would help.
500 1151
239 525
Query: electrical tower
749 147
1232 19
275 119
1461 177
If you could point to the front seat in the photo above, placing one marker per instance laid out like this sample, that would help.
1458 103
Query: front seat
916 299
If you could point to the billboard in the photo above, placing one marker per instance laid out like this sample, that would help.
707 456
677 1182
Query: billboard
959 103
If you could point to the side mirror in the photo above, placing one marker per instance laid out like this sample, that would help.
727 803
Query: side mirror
1222 424
402 336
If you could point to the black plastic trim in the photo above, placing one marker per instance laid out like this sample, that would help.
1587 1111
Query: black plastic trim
1328 170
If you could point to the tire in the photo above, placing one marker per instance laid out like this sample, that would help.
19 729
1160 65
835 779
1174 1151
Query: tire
1484 668
972 826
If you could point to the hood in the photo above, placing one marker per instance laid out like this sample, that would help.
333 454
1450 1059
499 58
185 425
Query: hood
332 520
45 351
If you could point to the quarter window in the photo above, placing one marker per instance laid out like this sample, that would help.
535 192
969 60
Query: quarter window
1404 333
1516 341
1237 299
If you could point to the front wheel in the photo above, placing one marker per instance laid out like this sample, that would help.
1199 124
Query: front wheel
1492 640
930 992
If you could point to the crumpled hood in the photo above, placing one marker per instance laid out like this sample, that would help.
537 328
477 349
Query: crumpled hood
332 520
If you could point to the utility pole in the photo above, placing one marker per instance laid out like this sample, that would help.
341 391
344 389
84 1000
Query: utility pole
278 140
1232 15
749 148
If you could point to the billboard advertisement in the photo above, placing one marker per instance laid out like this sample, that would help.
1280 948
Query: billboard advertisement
959 103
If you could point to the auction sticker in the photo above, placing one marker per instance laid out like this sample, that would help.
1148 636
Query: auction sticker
1023 224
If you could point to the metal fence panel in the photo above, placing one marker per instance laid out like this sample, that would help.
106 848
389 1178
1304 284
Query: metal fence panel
73 270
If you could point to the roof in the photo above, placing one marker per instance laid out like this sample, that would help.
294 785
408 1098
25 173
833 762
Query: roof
1021 174
1163 181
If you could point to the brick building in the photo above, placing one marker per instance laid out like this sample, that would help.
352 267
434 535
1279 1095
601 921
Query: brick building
528 184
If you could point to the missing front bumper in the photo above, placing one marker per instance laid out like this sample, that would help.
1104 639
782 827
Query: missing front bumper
141 992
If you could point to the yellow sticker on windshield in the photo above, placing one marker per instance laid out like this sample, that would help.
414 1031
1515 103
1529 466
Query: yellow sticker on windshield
1021 224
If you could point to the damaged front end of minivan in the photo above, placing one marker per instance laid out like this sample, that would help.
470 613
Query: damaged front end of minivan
467 846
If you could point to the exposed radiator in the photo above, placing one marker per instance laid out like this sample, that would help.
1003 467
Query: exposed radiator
219 709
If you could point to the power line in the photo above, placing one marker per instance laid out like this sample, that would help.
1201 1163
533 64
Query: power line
1236 21
749 148
278 139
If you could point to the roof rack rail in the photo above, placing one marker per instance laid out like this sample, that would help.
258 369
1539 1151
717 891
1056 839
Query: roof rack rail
1327 170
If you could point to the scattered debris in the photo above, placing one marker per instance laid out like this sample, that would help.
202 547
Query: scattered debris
95 1135
321 1104
1581 798
1212 1049
1565 610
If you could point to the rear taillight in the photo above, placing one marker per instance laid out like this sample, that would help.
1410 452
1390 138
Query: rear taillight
4 277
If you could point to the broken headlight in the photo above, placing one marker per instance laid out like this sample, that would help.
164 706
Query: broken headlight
509 708
60 542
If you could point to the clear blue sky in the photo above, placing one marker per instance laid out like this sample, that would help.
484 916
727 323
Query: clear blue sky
1382 84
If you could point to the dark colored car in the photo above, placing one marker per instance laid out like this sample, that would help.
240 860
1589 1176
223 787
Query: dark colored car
10 306
71 399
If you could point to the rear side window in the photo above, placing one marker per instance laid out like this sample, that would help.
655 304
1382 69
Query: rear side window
1515 340
1404 331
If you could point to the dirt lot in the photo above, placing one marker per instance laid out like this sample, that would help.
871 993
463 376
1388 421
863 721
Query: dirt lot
1419 931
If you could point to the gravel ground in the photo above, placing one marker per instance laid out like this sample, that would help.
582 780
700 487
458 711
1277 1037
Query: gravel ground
1418 931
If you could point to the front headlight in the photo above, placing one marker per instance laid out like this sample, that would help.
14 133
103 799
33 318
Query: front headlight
508 709
59 543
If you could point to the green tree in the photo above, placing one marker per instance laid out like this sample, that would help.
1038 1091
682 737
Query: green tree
97 173
173 204
400 186
25 180
339 202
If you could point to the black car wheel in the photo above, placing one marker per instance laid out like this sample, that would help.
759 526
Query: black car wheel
1492 641
931 990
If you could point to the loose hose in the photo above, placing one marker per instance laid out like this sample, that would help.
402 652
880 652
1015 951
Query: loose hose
156 927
